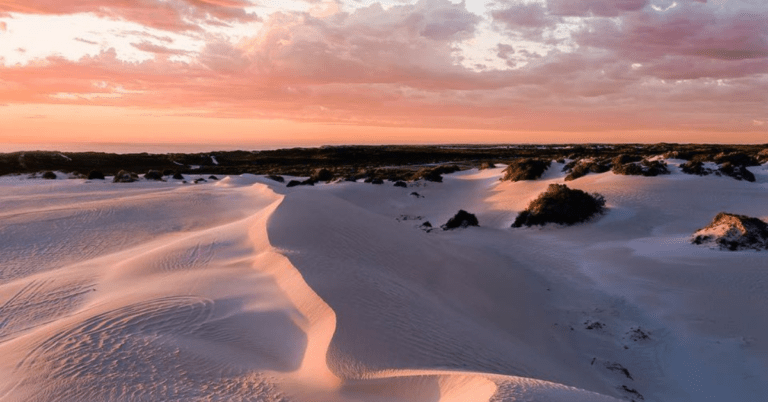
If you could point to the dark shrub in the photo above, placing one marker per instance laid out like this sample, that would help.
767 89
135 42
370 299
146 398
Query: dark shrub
49 175
736 159
434 173
654 168
462 219
153 175
734 232
623 159
95 175
277 178
322 174
401 183
630 169
644 168
762 156
178 176
738 172
377 181
560 204
308 182
581 168
200 180
168 172
525 169
696 168
212 177
125 177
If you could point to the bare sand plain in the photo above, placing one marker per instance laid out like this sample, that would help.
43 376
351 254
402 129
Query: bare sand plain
245 290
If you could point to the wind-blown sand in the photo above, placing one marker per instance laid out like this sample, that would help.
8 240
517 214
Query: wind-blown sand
245 290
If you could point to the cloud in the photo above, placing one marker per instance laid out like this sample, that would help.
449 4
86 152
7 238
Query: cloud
149 47
690 41
86 41
601 8
627 66
522 15
171 15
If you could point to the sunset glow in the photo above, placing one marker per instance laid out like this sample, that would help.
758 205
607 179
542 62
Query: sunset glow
292 73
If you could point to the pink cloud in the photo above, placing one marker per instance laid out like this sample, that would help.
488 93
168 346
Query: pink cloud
703 41
170 15
152 48
602 8
397 66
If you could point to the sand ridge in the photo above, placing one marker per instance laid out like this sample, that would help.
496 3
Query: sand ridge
244 290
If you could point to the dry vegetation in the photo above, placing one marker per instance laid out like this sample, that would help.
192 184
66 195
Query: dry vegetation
561 205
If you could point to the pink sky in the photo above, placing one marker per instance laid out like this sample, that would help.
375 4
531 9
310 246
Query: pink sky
315 72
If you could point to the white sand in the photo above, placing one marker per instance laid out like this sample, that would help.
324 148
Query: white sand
245 290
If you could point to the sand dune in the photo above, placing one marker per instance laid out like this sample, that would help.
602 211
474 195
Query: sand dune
245 290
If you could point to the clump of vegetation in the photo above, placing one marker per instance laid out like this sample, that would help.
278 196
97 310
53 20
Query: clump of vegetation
322 174
561 205
434 174
95 175
125 177
695 167
49 175
294 183
487 165
525 169
579 168
462 219
734 232
276 178
762 156
644 168
153 175
738 172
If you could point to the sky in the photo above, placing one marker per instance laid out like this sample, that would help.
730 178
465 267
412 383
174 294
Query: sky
311 72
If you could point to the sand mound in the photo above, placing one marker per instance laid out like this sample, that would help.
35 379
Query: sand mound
562 205
734 232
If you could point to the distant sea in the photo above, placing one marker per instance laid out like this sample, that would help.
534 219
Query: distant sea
127 148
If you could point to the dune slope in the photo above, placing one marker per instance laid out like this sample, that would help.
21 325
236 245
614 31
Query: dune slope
245 290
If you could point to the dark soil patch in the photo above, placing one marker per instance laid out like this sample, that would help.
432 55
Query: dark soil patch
638 334
594 325
619 368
